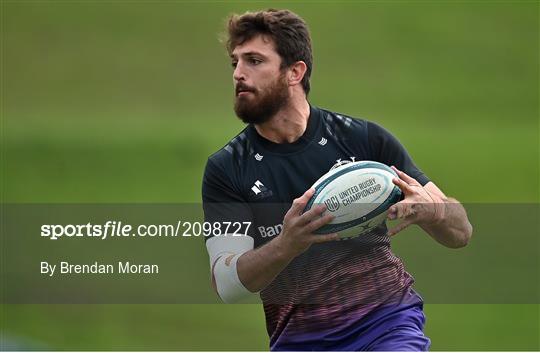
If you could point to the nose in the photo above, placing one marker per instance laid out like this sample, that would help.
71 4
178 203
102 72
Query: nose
238 73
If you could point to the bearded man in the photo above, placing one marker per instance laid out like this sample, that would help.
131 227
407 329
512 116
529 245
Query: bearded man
317 293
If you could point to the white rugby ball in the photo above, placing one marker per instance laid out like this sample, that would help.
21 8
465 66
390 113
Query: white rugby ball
358 194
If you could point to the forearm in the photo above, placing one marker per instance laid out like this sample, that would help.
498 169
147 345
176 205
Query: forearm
238 268
257 268
451 226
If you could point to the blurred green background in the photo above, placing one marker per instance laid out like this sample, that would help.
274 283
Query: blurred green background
123 101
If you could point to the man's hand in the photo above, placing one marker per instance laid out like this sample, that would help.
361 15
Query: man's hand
443 218
297 234
418 207
257 268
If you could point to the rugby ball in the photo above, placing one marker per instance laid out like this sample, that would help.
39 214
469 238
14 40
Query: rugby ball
358 194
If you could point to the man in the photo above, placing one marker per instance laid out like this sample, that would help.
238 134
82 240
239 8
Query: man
318 293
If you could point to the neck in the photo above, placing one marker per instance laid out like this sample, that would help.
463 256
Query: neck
288 124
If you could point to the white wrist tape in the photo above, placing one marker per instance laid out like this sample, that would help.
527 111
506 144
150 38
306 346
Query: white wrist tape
224 252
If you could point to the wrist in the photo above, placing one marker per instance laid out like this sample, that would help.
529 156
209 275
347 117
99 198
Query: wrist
439 210
282 249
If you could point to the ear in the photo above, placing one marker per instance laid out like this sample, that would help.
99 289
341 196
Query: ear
296 73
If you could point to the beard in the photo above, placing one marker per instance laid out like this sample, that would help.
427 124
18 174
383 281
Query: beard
264 104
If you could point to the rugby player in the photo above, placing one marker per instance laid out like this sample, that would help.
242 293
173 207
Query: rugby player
317 293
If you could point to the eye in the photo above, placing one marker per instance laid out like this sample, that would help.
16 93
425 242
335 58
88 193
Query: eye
234 64
254 61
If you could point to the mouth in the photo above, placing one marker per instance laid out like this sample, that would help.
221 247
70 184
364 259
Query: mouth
243 91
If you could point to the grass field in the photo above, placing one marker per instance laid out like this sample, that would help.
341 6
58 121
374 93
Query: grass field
123 101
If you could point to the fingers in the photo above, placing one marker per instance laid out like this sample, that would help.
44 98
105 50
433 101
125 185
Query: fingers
404 182
398 228
405 177
312 214
323 238
300 203
406 188
401 210
318 223
392 213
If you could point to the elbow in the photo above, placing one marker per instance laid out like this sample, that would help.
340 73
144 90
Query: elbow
462 240
467 233
459 244
226 282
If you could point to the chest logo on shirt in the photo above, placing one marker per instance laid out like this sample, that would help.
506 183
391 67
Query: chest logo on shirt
323 141
260 190
259 157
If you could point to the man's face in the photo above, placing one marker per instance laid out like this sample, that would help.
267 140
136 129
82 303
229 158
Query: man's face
261 88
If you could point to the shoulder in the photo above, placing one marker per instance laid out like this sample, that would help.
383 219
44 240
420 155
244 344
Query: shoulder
340 122
353 131
346 126
232 154
224 167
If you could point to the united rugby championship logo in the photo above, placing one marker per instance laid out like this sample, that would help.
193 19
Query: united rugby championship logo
332 204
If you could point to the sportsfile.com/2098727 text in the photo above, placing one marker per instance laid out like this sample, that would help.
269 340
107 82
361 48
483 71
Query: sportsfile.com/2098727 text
118 229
